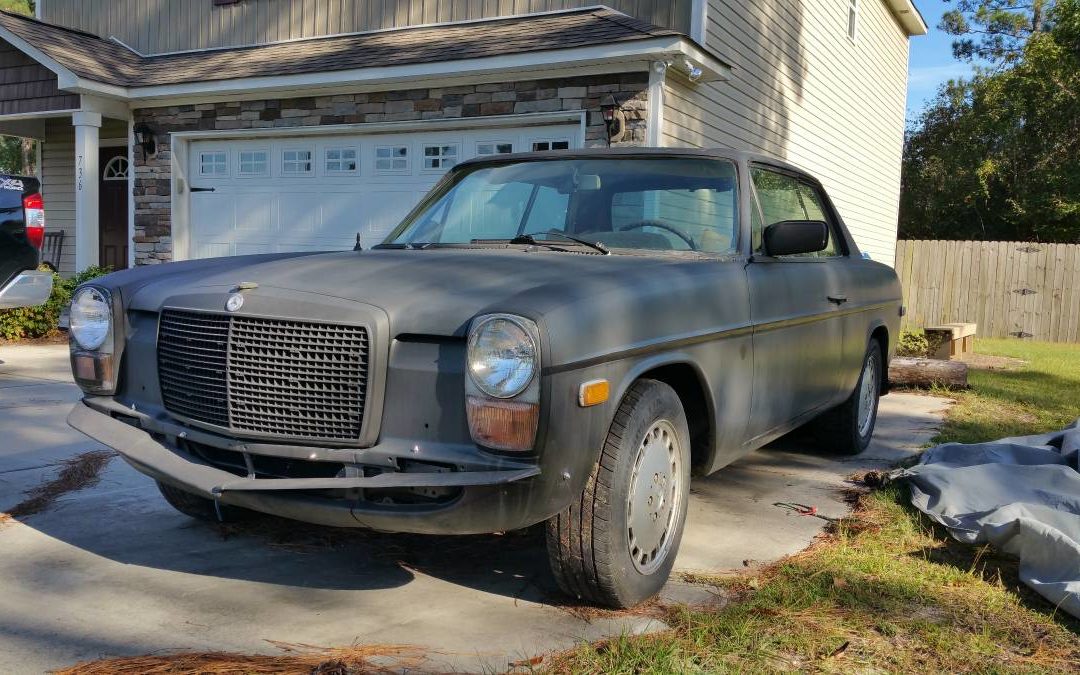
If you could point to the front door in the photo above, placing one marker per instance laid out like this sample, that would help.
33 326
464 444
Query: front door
113 208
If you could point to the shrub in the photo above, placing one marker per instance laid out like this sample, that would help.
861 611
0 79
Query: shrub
913 344
41 321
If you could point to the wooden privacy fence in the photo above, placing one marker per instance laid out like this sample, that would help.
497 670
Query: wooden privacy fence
1011 289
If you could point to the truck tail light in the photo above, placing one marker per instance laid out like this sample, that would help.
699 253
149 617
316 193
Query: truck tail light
503 425
34 208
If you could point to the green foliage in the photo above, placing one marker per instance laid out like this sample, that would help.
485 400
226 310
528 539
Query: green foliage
1036 390
912 343
995 30
18 155
18 6
998 157
41 321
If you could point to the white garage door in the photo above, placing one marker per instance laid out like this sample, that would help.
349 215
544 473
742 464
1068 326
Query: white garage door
316 193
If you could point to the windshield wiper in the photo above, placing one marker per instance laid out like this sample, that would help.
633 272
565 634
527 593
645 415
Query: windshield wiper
530 239
416 246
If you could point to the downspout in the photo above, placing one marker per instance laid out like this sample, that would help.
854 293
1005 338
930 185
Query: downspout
654 123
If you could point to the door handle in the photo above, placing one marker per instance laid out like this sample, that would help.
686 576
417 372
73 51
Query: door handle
199 189
837 299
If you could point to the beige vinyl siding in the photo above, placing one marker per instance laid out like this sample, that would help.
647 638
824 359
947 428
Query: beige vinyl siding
801 90
58 180
156 26
58 186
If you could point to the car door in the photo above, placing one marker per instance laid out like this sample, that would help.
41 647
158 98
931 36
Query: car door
795 304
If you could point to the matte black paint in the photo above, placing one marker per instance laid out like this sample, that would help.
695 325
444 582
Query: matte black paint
768 347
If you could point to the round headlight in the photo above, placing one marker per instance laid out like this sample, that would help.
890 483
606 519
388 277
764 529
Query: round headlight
502 357
91 317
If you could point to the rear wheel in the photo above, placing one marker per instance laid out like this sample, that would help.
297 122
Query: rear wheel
616 544
848 428
198 507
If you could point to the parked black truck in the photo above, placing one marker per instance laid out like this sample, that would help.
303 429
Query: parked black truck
551 337
22 234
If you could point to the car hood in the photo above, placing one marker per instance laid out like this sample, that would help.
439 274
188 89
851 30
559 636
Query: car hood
433 291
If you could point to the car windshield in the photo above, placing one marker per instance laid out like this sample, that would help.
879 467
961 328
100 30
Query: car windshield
659 204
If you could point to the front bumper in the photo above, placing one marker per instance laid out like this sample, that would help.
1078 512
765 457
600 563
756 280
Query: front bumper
28 289
503 495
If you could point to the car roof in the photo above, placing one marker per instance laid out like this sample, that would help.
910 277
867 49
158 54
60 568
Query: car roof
637 153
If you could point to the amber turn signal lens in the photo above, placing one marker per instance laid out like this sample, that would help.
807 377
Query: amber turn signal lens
593 392
503 425
93 372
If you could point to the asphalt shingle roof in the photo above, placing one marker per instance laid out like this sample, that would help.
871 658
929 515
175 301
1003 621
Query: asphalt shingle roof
95 58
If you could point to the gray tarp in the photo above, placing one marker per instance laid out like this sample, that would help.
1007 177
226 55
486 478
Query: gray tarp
1022 495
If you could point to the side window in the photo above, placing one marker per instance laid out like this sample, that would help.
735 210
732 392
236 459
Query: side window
815 210
783 197
779 197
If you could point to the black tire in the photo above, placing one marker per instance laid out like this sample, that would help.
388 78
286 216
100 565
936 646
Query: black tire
838 430
589 544
198 507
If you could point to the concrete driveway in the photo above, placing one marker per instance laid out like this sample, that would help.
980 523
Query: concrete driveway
112 570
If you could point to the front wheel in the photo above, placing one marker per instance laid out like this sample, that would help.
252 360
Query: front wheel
848 428
616 544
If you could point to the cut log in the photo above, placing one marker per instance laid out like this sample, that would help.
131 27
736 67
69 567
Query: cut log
908 372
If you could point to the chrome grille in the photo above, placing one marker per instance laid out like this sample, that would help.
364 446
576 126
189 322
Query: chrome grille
289 379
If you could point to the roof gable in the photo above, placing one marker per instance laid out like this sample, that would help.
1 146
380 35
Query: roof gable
109 62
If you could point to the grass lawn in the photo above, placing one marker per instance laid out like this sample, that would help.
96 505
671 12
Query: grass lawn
1039 396
886 589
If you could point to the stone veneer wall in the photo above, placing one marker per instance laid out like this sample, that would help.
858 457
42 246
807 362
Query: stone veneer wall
153 225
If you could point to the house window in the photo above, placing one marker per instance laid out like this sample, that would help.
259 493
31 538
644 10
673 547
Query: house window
341 160
214 163
392 158
494 148
853 20
550 144
440 156
295 162
253 163
116 169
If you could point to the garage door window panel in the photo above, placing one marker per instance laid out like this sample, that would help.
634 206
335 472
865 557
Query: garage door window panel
296 163
342 161
253 163
440 157
391 159
214 164
546 144
487 148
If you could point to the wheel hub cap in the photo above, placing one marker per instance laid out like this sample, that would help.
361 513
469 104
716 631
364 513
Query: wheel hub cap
868 396
653 503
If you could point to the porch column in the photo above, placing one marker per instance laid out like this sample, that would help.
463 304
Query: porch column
87 126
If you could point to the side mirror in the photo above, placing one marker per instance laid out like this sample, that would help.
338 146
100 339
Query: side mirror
791 237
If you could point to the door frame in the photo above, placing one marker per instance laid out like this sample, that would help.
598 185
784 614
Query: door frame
180 203
124 142
105 144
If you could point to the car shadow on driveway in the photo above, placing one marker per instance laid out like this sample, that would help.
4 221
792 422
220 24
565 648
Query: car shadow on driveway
125 519
734 516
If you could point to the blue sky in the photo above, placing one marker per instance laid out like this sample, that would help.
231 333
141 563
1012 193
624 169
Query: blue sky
932 62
